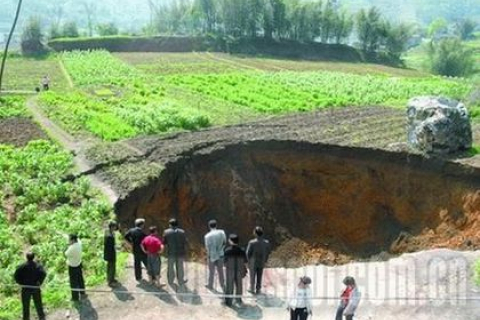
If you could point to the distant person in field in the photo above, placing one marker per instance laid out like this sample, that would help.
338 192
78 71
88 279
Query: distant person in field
110 253
134 237
45 83
176 243
258 250
31 273
75 272
235 269
215 241
349 300
300 306
152 245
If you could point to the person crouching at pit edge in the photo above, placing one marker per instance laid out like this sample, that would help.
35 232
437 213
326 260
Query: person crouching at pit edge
301 304
349 300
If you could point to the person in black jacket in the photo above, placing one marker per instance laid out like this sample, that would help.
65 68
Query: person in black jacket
235 269
135 237
258 250
175 241
31 274
109 253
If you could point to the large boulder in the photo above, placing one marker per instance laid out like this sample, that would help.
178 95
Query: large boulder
438 125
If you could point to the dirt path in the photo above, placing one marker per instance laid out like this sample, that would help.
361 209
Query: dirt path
428 279
68 142
65 73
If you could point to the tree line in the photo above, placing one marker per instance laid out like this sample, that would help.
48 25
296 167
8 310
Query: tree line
314 20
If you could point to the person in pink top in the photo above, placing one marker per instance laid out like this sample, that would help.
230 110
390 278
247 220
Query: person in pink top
152 245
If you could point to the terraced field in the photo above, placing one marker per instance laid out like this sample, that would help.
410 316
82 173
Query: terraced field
215 62
37 192
26 73
128 95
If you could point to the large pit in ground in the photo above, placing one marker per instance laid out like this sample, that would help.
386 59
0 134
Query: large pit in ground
317 203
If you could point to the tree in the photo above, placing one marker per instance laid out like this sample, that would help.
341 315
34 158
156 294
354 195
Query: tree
396 38
280 23
90 8
70 30
208 11
450 57
369 28
465 28
9 39
437 27
54 31
32 38
328 22
343 27
107 29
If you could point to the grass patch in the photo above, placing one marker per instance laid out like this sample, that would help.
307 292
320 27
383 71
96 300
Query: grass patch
474 150
33 198
23 73
12 106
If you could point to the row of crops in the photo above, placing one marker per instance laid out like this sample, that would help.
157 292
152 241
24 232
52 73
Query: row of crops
291 91
115 101
39 207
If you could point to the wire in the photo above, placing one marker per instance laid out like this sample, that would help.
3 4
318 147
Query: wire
253 297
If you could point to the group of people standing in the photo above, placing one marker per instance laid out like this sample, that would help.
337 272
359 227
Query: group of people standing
225 258
31 275
148 248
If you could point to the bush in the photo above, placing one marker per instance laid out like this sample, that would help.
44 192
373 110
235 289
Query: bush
32 37
450 57
107 29
70 30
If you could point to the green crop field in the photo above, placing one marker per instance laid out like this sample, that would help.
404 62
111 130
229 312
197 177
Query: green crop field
12 106
125 95
117 96
26 73
38 209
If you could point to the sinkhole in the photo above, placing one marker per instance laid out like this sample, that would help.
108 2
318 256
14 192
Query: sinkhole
317 203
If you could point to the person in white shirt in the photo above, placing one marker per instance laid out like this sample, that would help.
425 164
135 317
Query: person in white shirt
349 300
215 242
300 306
75 273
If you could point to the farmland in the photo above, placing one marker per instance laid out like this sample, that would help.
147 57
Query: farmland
112 97
26 73
36 194
125 95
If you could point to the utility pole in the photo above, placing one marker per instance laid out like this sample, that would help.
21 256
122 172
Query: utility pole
5 52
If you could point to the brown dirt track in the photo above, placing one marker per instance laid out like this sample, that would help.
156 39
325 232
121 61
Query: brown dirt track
19 131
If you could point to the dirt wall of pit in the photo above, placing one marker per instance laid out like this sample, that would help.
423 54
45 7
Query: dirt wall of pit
336 203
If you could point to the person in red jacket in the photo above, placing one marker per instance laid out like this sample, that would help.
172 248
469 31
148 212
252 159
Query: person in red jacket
152 245
349 300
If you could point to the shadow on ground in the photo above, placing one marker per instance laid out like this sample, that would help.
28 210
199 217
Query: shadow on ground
122 294
86 311
160 293
186 295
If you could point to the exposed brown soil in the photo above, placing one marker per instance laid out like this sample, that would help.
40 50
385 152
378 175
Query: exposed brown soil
19 131
326 186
